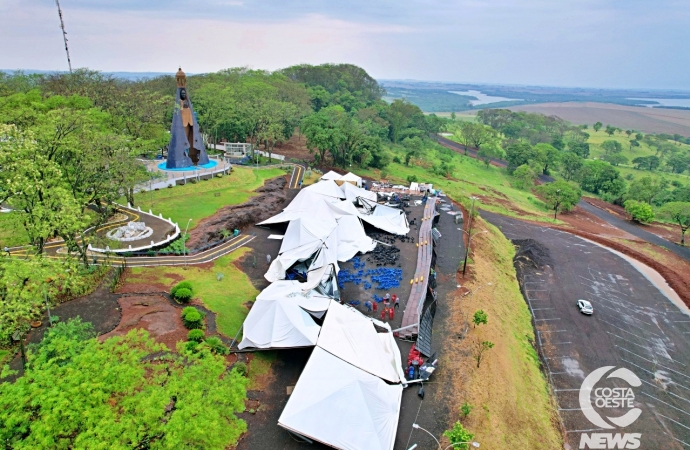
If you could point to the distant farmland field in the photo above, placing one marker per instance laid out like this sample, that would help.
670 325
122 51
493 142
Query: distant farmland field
647 120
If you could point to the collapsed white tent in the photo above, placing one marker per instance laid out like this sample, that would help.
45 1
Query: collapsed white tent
306 203
389 219
340 405
281 317
352 239
352 192
303 239
352 337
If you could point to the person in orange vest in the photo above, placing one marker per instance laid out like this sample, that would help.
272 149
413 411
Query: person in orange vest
396 301
383 315
390 314
375 306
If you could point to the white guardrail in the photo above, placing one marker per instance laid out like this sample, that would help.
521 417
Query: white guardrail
169 237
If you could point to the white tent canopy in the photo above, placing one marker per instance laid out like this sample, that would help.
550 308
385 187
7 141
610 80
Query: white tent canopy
280 317
352 239
323 199
331 175
352 192
352 337
351 178
329 188
342 406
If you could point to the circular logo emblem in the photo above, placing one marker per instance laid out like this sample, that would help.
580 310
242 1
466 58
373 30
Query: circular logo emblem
609 397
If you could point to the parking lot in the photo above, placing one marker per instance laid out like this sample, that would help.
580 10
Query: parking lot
634 326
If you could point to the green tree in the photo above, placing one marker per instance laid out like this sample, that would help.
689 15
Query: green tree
678 163
546 156
114 393
639 136
570 165
413 148
615 159
610 130
490 150
634 143
639 211
597 126
581 149
645 189
560 195
601 177
26 283
524 176
480 317
678 212
650 162
479 349
518 154
611 147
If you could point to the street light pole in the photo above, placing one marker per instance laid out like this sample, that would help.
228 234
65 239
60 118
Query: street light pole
469 237
184 246
414 425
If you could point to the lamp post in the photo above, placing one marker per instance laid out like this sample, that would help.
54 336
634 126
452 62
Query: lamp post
414 425
184 246
469 236
414 446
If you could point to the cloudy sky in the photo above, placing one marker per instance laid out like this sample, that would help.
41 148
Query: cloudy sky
588 43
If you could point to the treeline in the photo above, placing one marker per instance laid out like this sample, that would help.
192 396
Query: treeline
537 144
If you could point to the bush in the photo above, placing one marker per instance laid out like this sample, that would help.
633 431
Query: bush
241 368
412 178
460 435
397 160
192 318
191 346
641 212
217 346
181 285
183 295
195 335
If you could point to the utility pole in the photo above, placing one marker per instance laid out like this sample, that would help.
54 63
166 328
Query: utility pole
64 34
469 236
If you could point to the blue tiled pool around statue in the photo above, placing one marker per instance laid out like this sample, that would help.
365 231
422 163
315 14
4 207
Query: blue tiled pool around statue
210 165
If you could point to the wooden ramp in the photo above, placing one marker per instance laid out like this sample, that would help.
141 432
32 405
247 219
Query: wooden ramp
414 305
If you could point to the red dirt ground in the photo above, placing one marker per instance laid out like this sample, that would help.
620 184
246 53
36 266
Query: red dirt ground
295 148
153 313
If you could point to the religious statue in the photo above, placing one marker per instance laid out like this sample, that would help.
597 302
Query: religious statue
186 147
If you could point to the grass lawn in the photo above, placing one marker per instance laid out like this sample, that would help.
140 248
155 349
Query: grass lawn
203 199
226 298
513 407
597 138
12 233
470 178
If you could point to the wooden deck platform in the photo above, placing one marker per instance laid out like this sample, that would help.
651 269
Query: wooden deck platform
415 303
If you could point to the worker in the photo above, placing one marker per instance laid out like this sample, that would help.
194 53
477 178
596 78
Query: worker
383 315
268 259
396 301
368 305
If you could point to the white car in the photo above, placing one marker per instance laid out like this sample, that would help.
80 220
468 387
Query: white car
585 307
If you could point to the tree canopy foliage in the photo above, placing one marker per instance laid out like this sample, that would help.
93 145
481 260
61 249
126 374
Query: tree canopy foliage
124 392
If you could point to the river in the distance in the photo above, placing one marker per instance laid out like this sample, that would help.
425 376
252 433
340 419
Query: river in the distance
483 99
682 102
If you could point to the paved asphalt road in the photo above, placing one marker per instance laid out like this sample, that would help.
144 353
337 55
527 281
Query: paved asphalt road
634 326
683 252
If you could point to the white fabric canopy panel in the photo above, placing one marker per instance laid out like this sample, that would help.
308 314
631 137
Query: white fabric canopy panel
280 317
352 178
352 337
328 188
389 219
352 239
352 192
331 175
342 406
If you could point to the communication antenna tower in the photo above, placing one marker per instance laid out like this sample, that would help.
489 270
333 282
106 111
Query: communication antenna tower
64 34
